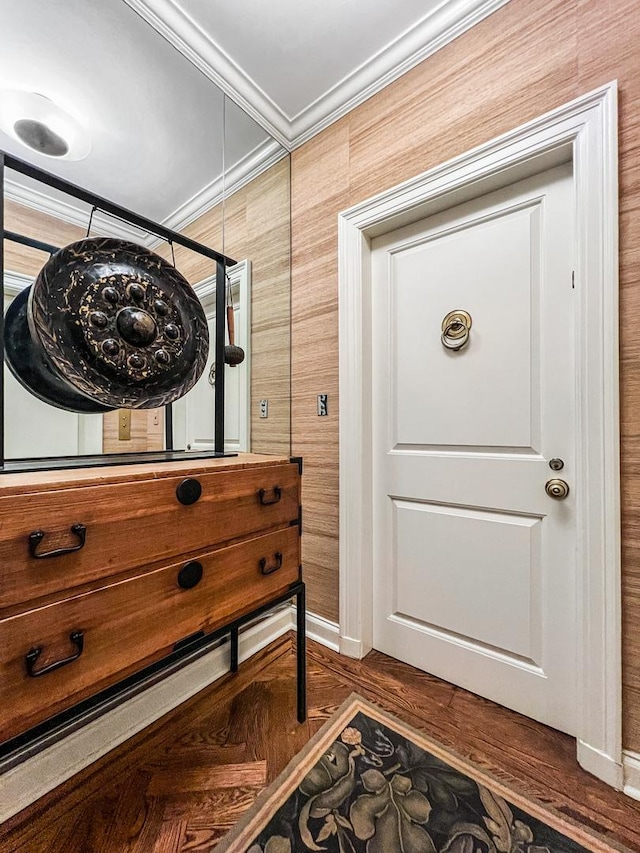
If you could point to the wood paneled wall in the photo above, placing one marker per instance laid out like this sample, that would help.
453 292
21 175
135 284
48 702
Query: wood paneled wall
527 58
255 224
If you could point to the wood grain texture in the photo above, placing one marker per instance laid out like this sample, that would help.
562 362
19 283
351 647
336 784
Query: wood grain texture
254 224
131 624
132 524
182 783
527 58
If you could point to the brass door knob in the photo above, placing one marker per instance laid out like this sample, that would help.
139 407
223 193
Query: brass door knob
557 489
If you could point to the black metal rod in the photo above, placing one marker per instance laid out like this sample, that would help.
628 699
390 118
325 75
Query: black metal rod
168 427
221 309
29 241
233 665
2 384
110 207
301 653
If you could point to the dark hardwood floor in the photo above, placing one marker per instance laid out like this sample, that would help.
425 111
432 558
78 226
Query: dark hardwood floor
180 784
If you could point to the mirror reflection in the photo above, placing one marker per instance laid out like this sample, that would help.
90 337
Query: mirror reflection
161 140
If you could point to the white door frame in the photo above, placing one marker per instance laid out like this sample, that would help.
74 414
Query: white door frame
585 131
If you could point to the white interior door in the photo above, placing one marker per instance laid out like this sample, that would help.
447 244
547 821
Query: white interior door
474 566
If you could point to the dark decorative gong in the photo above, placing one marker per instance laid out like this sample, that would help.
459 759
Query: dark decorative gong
113 323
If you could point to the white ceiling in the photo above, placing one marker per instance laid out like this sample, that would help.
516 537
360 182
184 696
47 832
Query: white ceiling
298 65
155 113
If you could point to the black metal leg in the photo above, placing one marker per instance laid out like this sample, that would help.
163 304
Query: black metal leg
234 650
301 654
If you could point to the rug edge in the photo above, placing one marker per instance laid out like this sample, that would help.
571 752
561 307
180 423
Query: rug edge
276 789
244 832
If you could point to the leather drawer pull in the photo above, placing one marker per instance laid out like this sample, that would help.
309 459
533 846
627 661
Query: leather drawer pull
190 575
277 494
269 570
37 536
31 658
189 491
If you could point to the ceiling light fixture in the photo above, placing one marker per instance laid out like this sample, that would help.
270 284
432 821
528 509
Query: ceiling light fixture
43 126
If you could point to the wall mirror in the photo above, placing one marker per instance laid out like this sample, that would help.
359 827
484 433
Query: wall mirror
157 137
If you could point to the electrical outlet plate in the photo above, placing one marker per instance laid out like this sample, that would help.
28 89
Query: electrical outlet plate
124 424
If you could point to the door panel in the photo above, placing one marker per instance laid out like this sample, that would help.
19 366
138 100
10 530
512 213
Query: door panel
474 563
486 269
453 598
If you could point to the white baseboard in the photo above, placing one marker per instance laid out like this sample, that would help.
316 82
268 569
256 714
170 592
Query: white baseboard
34 777
352 648
321 630
631 765
601 765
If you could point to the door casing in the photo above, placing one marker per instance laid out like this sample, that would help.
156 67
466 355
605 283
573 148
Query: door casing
585 131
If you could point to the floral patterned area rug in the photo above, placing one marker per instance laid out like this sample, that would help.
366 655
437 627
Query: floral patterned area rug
368 783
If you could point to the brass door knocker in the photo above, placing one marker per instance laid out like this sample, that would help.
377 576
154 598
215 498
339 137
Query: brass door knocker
456 328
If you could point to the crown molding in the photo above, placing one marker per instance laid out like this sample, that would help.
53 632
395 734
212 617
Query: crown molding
261 158
434 31
429 35
35 199
180 30
15 283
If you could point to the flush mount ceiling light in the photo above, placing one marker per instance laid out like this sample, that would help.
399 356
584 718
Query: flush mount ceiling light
42 125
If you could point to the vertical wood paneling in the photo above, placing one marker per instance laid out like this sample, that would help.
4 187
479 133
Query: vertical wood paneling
524 60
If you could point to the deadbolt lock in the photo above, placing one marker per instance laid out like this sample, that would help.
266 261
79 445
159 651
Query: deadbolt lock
557 489
556 464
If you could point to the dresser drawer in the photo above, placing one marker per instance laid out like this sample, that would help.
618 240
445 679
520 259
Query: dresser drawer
133 524
131 623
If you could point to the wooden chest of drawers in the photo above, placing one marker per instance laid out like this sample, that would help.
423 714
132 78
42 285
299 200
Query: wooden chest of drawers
134 569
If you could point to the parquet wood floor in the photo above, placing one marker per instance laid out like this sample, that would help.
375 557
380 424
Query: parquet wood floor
179 785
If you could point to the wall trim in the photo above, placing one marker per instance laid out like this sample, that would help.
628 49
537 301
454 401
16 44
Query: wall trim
589 125
322 630
441 26
631 766
436 30
180 30
257 161
35 199
15 283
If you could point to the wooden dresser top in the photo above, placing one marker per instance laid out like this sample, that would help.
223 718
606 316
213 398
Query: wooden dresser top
16 484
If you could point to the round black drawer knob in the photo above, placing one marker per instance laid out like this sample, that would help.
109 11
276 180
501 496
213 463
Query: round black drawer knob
189 491
190 575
